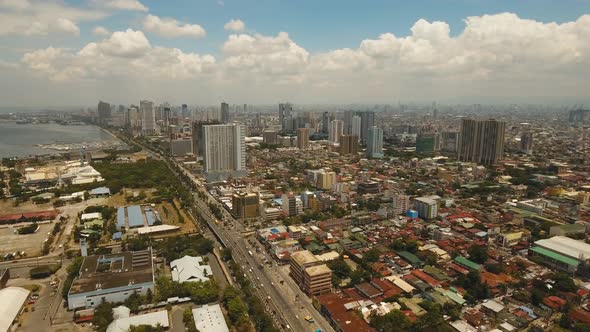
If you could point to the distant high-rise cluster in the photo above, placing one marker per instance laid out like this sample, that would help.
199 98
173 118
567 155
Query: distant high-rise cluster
104 112
481 141
579 116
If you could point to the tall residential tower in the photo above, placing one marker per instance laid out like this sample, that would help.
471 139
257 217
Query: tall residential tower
481 141
224 149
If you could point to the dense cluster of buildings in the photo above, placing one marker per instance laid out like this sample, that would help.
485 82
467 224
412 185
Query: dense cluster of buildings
437 202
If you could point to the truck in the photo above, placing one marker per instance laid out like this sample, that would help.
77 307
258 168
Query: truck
250 253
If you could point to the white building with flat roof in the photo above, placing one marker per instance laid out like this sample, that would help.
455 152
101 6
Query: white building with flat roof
210 318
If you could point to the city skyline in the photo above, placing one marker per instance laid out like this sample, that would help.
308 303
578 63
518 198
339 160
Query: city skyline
123 51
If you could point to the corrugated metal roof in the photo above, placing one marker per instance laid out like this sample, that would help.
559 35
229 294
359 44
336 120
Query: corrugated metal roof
566 247
467 263
121 217
150 217
152 319
135 216
554 255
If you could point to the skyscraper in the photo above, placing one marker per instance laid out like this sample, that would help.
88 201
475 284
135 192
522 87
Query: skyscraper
224 149
375 142
224 118
348 122
303 138
148 118
184 111
481 141
198 141
349 144
526 142
285 111
335 131
325 122
104 112
449 141
367 121
425 143
356 126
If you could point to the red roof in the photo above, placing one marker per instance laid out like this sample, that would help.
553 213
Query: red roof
347 320
426 278
580 315
458 268
554 302
50 214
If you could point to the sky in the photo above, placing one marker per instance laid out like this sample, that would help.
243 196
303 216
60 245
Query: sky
75 52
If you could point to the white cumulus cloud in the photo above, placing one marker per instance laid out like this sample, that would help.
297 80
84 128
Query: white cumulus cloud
235 25
124 54
133 5
502 56
265 55
65 25
171 28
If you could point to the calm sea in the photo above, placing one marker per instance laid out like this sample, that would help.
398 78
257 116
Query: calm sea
20 140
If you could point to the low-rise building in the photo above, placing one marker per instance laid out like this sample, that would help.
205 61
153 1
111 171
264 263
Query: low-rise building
210 318
189 268
112 278
13 300
562 252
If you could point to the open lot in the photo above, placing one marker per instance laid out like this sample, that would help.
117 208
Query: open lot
30 243
7 207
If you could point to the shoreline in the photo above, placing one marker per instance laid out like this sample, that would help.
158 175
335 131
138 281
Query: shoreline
50 145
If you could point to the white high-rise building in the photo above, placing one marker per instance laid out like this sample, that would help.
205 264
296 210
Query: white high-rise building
375 142
356 126
148 118
335 131
224 149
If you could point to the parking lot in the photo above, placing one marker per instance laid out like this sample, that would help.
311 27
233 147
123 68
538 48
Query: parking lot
29 243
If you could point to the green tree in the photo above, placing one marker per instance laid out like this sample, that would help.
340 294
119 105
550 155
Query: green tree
188 320
340 268
371 255
103 316
394 321
478 254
